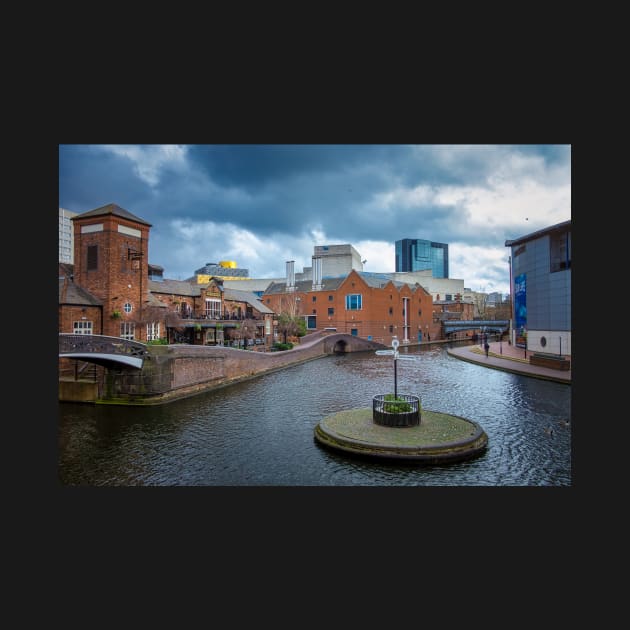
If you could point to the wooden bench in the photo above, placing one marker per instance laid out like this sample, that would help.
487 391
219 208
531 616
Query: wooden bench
553 361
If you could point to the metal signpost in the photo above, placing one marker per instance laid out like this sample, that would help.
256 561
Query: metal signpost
395 354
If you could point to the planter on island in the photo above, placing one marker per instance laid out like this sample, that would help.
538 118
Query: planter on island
403 410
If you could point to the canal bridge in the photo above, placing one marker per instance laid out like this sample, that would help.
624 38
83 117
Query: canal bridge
103 350
485 325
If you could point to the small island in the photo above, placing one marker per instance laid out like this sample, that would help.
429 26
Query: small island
396 427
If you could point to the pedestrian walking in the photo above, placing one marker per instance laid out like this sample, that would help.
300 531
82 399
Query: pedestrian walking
486 347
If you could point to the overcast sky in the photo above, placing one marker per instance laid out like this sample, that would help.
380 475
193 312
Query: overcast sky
261 205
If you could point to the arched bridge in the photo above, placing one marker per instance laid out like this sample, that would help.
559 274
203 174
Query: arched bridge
107 351
487 325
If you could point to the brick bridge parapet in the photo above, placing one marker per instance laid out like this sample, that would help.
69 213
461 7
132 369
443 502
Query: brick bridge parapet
178 371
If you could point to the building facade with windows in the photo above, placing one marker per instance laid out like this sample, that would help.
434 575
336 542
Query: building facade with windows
112 290
415 254
66 236
338 260
366 305
540 283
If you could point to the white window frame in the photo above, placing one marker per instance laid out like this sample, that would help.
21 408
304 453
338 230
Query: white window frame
213 308
359 300
153 331
83 327
128 330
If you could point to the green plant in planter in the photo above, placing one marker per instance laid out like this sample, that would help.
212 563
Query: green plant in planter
116 314
396 405
197 326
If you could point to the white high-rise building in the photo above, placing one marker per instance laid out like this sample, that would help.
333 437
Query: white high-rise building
66 236
338 260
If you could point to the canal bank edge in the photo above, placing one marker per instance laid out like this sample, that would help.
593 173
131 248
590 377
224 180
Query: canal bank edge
174 372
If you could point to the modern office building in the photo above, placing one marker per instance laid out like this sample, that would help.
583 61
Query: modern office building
540 283
66 236
415 254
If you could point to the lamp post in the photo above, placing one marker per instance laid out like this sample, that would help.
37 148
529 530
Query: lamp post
501 342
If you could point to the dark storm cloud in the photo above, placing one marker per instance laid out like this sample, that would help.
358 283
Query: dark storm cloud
253 167
90 178
272 199
289 188
282 189
271 189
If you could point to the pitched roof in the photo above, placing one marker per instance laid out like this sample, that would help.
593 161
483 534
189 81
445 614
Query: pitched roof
153 301
237 295
66 270
304 286
330 283
186 288
73 294
176 287
111 208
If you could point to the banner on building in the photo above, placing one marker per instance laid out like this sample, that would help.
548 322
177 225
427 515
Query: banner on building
520 311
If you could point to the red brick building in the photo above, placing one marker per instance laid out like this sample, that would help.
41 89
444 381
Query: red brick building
112 290
364 304
454 309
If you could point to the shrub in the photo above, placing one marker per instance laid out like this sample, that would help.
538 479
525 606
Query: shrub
158 342
396 405
278 345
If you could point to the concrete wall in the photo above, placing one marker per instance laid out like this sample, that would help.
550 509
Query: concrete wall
77 391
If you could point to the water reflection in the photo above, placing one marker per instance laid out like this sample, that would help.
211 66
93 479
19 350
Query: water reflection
260 432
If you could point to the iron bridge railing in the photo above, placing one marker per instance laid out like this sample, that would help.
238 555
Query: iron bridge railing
69 344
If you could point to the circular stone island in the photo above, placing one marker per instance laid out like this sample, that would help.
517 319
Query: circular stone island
438 438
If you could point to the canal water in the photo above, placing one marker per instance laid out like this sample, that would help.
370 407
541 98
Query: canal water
260 432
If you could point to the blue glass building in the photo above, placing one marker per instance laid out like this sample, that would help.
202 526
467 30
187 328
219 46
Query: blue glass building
415 254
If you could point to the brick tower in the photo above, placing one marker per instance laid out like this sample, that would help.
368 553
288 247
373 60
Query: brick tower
111 249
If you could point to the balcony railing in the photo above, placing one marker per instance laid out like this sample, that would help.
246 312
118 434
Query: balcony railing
218 318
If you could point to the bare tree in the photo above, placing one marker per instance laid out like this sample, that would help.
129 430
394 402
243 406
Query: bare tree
503 310
290 304
248 330
480 300
289 315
